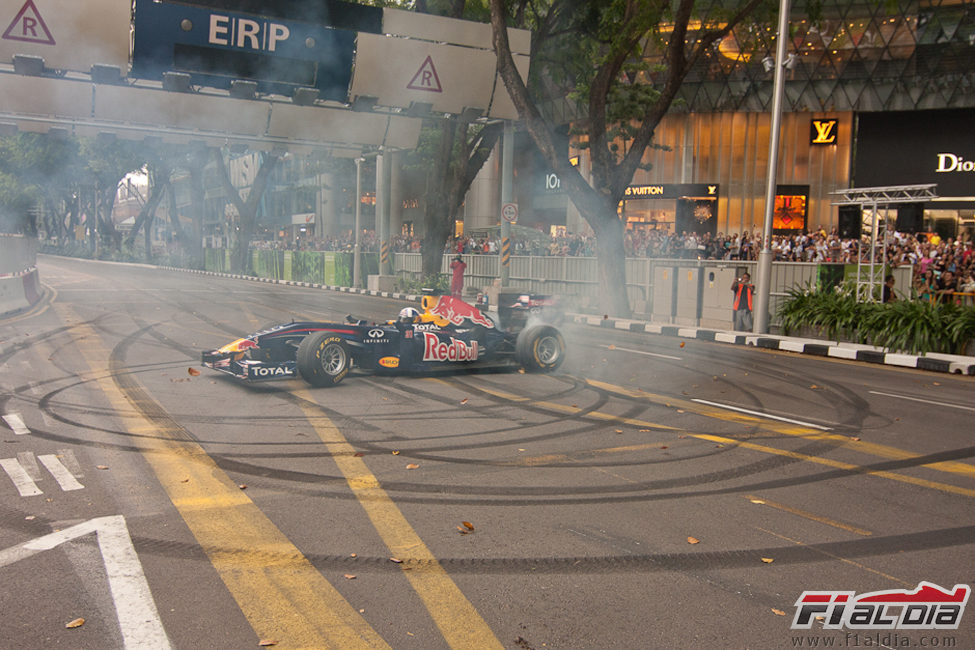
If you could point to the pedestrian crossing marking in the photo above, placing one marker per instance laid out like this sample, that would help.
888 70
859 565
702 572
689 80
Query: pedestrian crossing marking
24 473
16 423
60 473
22 481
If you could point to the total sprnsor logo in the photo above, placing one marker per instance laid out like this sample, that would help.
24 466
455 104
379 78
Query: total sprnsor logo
928 607
436 350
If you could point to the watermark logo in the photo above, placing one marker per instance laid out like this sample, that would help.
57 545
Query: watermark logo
928 607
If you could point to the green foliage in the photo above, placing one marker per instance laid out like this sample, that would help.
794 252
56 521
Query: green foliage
415 285
910 326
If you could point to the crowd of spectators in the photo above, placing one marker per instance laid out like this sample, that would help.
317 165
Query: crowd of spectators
941 266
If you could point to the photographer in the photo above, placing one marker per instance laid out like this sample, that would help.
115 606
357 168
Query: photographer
744 291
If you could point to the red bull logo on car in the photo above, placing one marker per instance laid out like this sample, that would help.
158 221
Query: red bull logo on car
455 311
237 346
436 350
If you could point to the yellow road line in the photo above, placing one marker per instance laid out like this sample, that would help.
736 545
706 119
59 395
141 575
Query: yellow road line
731 415
282 595
458 620
809 515
869 448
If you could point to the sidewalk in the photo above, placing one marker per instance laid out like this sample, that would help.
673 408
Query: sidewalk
953 363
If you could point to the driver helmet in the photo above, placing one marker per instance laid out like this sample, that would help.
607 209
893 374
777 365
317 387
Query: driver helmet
408 315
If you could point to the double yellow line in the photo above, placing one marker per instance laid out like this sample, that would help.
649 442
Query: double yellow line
282 595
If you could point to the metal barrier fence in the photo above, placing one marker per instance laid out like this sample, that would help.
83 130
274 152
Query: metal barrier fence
682 291
705 283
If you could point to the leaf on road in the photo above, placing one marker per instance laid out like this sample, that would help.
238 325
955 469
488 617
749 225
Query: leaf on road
768 560
693 540
349 576
462 530
468 525
358 454
682 344
396 560
611 347
412 466
353 555
663 446
101 466
396 453
464 401
242 486
264 643
778 612
855 439
78 622
619 431
193 372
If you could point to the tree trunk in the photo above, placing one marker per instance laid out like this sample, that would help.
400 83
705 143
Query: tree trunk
612 265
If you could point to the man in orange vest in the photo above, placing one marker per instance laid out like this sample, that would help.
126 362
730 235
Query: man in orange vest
744 290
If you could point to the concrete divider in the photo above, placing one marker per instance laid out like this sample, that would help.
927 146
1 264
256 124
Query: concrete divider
20 286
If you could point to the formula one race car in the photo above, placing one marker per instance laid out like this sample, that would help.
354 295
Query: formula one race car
447 333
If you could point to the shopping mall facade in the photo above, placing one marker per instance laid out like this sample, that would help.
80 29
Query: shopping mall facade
876 95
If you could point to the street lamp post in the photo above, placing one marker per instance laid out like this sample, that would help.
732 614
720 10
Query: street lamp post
763 276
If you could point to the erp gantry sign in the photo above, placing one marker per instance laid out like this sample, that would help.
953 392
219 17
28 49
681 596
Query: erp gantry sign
216 46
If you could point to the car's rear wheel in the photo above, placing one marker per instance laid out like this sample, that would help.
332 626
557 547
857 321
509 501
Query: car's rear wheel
540 348
323 359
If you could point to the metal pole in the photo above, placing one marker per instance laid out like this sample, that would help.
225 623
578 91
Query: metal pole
382 210
763 279
507 182
356 256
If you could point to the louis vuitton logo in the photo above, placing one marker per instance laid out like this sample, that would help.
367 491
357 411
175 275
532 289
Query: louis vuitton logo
823 132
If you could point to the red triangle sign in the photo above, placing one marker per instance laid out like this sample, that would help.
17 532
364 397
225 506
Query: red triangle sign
426 78
28 26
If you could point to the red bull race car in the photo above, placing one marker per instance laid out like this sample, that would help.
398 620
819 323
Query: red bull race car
447 333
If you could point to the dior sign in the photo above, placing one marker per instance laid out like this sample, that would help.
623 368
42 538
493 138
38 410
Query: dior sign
949 162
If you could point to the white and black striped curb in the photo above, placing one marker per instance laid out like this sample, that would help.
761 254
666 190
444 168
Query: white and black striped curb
294 283
936 362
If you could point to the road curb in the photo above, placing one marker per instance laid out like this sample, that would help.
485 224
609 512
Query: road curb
935 362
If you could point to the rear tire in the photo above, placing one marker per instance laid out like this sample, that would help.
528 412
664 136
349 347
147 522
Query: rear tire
540 348
323 359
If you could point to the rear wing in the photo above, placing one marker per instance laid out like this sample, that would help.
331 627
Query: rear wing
517 309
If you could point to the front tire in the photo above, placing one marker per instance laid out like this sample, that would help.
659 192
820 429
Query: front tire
323 359
540 349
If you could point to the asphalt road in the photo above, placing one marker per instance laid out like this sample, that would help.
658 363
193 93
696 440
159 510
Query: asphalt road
652 493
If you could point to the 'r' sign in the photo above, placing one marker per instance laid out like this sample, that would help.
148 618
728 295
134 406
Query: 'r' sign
426 78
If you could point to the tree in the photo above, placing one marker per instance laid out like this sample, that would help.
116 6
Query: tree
246 208
595 53
454 152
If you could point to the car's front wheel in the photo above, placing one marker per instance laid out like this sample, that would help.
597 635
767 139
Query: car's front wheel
540 348
323 359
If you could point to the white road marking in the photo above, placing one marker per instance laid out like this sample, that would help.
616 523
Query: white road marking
649 354
60 473
924 401
66 456
761 415
16 423
138 617
28 461
21 479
